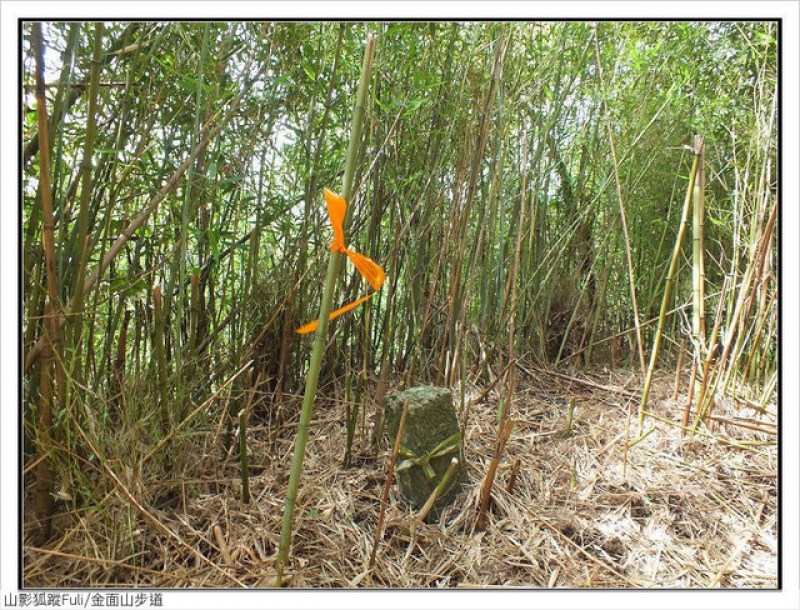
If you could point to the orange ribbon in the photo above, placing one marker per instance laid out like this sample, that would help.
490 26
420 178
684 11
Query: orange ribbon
370 270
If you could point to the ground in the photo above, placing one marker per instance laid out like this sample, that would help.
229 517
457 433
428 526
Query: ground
674 510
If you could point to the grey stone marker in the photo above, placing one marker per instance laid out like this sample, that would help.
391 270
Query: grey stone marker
431 439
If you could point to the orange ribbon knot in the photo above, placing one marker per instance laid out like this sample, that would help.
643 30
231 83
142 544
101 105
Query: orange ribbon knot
369 269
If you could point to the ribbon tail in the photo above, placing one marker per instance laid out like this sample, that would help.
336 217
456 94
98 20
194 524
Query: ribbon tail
312 326
350 306
308 328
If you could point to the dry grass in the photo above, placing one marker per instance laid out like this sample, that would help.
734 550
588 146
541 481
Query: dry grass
674 512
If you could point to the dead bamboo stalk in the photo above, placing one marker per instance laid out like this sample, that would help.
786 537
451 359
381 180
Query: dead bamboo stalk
387 486
426 508
512 478
690 396
223 546
709 357
486 491
678 372
50 342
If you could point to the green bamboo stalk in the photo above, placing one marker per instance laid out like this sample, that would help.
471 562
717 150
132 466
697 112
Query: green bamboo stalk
601 297
673 265
188 210
194 311
83 242
386 335
324 312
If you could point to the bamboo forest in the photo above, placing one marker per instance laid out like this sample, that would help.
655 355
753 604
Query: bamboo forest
399 304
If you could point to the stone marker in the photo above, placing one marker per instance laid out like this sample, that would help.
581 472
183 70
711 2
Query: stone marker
431 439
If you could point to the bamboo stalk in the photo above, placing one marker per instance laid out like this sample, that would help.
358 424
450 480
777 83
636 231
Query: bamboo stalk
82 241
51 364
322 329
673 265
762 320
679 372
709 356
223 546
426 508
512 478
689 396
189 208
389 476
486 491
385 335
698 266
244 415
194 312
570 413
752 278
161 358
